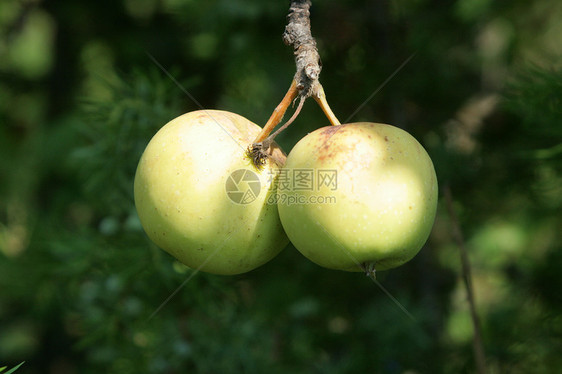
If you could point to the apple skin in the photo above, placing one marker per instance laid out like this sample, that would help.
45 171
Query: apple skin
182 202
382 209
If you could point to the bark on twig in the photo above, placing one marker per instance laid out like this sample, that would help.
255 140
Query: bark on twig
298 35
305 82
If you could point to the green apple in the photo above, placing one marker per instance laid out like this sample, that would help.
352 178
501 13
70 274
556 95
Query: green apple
200 197
369 199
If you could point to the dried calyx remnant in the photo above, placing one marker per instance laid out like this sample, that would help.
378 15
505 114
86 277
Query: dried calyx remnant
258 154
369 269
304 84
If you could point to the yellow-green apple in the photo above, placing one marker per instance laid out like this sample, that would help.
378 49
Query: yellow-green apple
369 201
200 197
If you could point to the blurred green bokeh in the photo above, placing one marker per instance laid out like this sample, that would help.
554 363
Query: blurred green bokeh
81 95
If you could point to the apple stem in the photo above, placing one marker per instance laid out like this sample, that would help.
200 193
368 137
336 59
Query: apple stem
320 97
278 112
291 120
258 152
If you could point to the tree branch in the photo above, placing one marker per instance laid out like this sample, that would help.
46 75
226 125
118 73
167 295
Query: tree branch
305 82
478 346
298 35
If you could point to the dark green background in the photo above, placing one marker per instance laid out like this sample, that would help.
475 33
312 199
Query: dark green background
80 97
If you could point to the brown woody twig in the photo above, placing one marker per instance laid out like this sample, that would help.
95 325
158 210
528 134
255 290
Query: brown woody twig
298 35
305 82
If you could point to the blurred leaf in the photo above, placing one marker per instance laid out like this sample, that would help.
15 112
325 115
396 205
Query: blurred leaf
535 94
116 130
11 370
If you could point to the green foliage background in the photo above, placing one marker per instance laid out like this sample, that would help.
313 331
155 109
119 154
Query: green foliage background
80 97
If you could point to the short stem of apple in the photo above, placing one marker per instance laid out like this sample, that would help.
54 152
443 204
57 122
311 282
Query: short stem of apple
278 112
320 97
271 137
